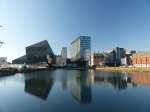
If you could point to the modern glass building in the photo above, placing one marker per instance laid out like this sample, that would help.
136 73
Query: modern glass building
36 53
39 52
81 49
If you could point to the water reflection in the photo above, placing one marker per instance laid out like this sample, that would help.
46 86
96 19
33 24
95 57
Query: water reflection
81 87
85 91
64 82
39 87
141 78
115 81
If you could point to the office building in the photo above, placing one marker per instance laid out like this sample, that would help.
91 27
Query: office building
64 53
81 49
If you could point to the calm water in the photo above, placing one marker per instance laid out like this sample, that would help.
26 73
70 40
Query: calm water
75 91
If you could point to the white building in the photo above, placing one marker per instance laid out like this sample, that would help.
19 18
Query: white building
61 60
64 53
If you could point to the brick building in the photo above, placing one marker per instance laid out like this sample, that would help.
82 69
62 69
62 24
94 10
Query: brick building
97 59
141 59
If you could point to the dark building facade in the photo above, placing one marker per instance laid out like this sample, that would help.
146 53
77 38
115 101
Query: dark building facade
36 53
20 60
113 56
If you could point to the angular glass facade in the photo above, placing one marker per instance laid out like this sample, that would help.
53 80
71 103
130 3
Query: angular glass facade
39 53
36 53
81 49
20 60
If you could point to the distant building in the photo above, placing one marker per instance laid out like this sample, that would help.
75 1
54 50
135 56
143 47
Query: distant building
97 59
141 59
64 53
3 59
126 60
19 60
130 52
113 56
81 49
37 53
61 60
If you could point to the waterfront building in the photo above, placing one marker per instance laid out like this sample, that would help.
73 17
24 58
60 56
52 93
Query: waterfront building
141 59
61 60
130 51
113 56
3 62
3 59
19 60
97 59
64 53
126 60
81 49
58 60
37 53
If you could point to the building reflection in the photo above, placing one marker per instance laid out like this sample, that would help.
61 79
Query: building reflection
141 78
81 87
116 82
64 82
39 87
97 79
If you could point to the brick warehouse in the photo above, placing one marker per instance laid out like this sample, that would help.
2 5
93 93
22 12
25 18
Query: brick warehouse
141 59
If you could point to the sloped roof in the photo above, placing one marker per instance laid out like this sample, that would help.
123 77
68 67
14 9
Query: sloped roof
42 43
21 58
142 53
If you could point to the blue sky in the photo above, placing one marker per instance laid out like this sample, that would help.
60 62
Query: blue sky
110 23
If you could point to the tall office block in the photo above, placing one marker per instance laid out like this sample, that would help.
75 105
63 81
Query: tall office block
64 53
81 49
